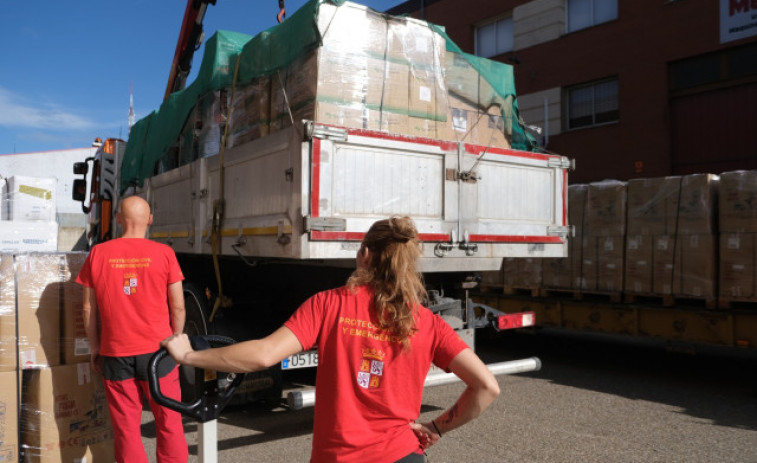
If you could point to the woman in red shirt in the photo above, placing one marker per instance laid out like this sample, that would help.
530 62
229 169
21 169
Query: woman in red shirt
375 343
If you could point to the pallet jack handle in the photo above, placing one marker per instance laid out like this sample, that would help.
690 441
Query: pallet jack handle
210 404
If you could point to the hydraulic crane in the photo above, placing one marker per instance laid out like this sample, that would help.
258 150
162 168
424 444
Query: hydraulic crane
190 39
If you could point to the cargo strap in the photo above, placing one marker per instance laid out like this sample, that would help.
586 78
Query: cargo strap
219 205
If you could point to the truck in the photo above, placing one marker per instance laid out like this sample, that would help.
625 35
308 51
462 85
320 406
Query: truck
264 174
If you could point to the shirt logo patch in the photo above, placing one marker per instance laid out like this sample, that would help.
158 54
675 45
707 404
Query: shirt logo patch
130 284
371 368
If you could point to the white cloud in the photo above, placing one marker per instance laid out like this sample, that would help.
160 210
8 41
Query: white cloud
16 112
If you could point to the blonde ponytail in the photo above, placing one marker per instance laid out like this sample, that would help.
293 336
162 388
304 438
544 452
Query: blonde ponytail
392 274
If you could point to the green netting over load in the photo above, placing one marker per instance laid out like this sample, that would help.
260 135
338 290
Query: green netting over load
337 63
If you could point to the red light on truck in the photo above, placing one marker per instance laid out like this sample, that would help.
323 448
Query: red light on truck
516 320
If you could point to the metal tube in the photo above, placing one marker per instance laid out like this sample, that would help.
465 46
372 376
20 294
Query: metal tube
297 400
501 368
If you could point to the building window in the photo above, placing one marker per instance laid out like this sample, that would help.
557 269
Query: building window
713 70
592 104
494 38
587 13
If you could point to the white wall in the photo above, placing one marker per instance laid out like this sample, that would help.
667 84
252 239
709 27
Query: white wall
58 164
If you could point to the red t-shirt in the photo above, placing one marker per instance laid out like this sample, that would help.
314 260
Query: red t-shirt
130 277
368 389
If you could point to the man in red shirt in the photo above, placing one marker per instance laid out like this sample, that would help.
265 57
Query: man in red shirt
134 286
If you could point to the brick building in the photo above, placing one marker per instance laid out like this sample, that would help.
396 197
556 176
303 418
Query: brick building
628 88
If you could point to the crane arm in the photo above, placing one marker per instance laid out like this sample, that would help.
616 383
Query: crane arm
190 38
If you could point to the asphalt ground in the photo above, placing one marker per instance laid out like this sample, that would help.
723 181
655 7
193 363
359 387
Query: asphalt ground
596 399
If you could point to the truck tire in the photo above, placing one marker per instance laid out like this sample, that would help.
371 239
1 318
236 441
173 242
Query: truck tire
192 379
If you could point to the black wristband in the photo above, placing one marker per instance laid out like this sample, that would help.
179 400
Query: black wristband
436 428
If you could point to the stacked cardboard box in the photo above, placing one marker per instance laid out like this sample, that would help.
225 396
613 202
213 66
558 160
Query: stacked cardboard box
738 227
74 341
476 113
391 78
650 240
28 215
395 75
64 416
522 273
9 400
604 237
696 251
37 307
565 273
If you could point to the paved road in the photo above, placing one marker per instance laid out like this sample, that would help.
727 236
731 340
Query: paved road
594 400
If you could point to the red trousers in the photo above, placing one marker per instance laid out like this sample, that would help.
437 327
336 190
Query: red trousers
125 404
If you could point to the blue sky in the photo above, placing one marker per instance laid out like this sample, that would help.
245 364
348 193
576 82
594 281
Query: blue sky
66 66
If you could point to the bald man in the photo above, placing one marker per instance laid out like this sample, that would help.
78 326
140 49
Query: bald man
134 286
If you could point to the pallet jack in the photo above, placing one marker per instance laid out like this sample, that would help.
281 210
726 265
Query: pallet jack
217 392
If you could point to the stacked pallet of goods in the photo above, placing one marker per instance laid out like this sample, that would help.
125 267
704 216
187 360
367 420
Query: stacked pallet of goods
738 233
50 396
684 241
343 65
671 243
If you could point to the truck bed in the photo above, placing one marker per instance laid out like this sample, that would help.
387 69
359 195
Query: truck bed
310 192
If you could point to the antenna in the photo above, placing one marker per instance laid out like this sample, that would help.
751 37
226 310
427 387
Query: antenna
131 106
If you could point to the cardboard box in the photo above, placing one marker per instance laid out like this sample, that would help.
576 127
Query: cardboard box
415 43
522 273
74 342
387 86
65 416
489 129
606 208
19 236
738 202
557 273
292 89
610 263
737 262
339 24
29 199
697 209
8 315
653 205
461 118
638 265
602 264
664 254
250 111
9 400
38 290
697 266
589 264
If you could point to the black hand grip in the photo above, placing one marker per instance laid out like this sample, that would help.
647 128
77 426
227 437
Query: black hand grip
209 405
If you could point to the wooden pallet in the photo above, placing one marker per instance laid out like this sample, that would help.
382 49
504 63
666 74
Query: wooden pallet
520 291
671 300
746 303
583 295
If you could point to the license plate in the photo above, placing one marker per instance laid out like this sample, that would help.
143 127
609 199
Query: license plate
302 360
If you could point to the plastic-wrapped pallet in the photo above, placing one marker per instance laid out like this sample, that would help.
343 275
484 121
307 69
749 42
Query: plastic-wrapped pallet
737 211
604 237
64 416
